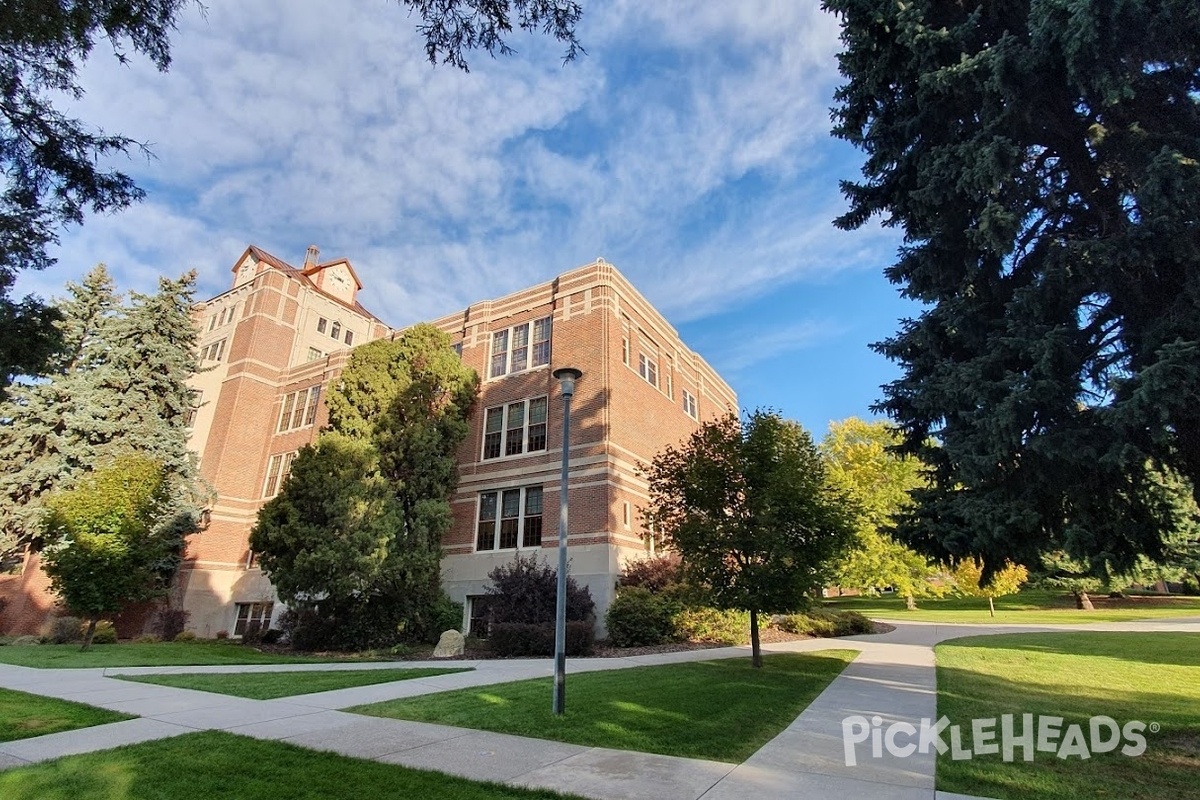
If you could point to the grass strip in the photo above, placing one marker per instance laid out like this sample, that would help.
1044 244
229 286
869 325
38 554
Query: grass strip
721 709
1148 677
269 685
23 716
221 765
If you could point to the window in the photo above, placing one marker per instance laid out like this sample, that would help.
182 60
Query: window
299 409
670 386
189 416
519 348
314 354
625 343
252 617
458 349
321 323
278 468
508 517
349 337
480 613
628 515
689 404
515 428
212 322
335 330
251 559
648 369
213 352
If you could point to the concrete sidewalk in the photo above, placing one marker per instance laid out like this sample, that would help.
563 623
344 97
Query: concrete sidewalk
892 678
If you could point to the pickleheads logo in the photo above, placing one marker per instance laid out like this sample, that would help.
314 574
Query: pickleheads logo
1043 734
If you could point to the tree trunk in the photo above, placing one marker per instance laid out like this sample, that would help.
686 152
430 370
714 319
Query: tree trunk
87 637
755 646
1083 602
991 606
910 602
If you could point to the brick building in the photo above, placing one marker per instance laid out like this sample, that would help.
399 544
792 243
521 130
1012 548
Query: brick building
273 342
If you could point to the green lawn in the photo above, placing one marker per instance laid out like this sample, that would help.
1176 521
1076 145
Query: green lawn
24 715
1026 608
1151 677
159 654
269 685
221 765
723 710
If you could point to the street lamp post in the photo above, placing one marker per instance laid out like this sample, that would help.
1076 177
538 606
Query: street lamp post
566 377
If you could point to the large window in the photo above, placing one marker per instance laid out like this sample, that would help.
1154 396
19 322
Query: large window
514 429
252 617
648 368
213 352
299 409
508 517
520 347
278 468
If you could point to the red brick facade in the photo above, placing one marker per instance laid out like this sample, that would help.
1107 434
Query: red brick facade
286 330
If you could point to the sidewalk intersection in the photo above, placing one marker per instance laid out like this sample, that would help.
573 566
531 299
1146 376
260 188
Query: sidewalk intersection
893 677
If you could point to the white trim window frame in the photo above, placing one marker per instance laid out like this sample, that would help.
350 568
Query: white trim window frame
214 351
520 348
648 369
509 519
689 404
298 409
515 429
251 613
279 466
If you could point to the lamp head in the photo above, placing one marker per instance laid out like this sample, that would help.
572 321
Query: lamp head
566 377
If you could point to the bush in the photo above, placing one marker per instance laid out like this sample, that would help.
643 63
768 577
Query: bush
27 640
652 573
638 617
526 590
518 639
271 636
185 636
253 633
447 615
65 630
222 635
148 638
170 622
713 625
825 624
106 633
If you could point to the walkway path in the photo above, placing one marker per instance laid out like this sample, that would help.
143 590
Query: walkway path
892 678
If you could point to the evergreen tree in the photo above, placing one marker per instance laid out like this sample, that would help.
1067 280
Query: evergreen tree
117 386
751 512
353 541
1043 161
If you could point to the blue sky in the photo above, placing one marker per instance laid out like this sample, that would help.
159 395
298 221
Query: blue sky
689 147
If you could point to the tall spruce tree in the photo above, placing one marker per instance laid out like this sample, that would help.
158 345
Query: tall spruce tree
353 541
1043 161
117 386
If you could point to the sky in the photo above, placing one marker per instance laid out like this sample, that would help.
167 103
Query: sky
689 147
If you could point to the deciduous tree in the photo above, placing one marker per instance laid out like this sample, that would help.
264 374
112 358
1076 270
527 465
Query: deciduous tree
748 506
116 538
971 580
1043 162
861 461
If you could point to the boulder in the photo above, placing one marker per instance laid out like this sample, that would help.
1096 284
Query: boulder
450 645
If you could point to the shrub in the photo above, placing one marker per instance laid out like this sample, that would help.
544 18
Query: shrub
271 636
637 617
27 640
222 635
65 630
825 624
106 633
526 590
148 638
253 634
652 573
185 636
713 625
518 639
447 615
170 622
